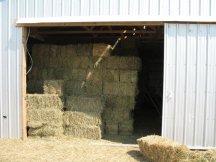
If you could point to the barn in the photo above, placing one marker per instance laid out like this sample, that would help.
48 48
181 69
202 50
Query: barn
156 59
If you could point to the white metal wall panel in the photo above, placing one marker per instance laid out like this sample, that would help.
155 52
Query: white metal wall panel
189 114
10 73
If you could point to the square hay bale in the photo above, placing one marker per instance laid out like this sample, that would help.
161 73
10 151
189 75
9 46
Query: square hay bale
84 49
79 62
112 62
89 88
79 131
94 75
156 148
129 76
81 118
102 50
126 128
120 102
54 52
44 116
85 104
75 74
46 130
44 101
53 87
111 128
69 50
59 73
116 115
130 63
35 86
120 89
111 75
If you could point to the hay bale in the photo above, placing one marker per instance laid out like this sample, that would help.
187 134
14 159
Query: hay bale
120 89
75 74
156 148
69 50
78 62
44 116
85 104
53 87
120 102
35 86
94 75
129 76
102 50
89 88
44 101
130 63
81 118
46 130
84 49
111 75
111 128
54 53
126 128
112 62
79 131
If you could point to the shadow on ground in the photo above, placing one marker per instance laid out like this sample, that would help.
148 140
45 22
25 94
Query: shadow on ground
137 155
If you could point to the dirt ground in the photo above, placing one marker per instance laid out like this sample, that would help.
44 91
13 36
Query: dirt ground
67 149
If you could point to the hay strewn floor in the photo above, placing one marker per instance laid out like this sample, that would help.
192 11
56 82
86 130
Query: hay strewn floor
66 149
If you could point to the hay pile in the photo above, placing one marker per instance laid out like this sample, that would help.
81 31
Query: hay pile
160 149
83 118
44 115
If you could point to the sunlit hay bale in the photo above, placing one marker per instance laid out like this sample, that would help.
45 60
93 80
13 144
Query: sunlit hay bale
208 156
46 130
75 74
130 63
44 116
85 104
80 131
101 50
126 127
53 87
111 75
111 128
44 101
35 86
120 89
160 149
89 88
129 76
84 49
81 118
120 102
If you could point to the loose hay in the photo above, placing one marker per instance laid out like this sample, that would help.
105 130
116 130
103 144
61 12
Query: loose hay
85 104
81 118
79 131
43 101
160 149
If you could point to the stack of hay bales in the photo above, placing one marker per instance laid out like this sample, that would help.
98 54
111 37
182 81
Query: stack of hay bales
156 148
62 70
120 89
83 117
44 115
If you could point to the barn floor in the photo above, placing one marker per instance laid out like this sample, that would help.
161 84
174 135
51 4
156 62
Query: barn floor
67 149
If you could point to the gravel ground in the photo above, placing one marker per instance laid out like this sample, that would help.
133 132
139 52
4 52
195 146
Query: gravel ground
67 149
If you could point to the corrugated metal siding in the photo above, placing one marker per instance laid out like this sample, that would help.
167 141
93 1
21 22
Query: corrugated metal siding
52 8
189 114
10 72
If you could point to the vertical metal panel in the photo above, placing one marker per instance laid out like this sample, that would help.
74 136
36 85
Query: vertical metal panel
66 7
114 7
124 9
75 8
94 7
144 7
133 7
85 7
1 76
189 114
104 7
